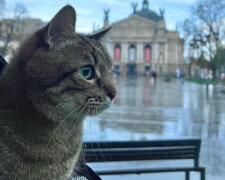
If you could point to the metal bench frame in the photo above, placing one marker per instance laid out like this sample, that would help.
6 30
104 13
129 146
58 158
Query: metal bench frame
145 150
3 63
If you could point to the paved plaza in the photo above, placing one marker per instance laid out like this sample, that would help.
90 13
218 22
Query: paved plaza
145 110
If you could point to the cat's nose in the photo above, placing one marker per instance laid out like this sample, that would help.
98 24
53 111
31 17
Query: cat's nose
112 95
110 91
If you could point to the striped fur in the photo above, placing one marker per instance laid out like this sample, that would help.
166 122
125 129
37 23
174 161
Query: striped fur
44 100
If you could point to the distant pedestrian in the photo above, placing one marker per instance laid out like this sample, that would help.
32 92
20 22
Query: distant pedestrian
154 75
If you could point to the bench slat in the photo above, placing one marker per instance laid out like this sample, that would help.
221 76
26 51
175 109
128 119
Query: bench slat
133 144
146 154
146 170
105 158
122 150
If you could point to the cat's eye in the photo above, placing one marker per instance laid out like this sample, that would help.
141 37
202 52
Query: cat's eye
87 72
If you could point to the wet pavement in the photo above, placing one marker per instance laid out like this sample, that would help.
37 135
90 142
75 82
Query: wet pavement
145 110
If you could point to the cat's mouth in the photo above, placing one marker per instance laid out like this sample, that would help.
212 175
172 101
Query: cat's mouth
95 107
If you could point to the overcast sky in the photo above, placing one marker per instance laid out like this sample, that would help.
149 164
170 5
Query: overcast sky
90 11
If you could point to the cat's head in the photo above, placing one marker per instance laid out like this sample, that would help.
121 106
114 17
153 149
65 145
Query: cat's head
66 70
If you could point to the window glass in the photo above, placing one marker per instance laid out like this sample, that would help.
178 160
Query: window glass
132 53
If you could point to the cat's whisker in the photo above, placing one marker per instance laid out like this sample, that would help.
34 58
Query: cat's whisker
65 118
95 118
54 109
92 115
58 105
96 110
16 166
87 111
77 116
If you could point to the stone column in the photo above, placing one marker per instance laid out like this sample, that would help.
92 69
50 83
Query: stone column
140 52
153 57
156 52
124 58
166 53
176 54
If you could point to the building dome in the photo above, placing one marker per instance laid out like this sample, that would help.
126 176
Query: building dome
151 15
146 13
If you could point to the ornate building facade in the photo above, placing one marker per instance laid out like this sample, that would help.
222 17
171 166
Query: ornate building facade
141 43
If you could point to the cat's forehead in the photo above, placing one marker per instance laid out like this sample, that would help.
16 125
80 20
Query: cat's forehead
74 42
88 50
102 54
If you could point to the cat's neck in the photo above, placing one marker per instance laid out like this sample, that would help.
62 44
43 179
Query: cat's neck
33 136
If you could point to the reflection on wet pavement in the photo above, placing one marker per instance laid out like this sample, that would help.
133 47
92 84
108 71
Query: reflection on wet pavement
144 110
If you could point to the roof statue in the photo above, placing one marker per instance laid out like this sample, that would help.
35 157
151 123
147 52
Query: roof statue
162 12
106 11
134 5
145 4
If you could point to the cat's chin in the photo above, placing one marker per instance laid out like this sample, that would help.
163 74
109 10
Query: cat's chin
93 111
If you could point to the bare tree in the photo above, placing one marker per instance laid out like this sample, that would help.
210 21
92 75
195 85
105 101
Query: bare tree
18 12
2 7
204 31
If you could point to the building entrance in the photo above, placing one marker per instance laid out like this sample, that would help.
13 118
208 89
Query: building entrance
131 70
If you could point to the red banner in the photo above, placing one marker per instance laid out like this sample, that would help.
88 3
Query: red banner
147 54
117 53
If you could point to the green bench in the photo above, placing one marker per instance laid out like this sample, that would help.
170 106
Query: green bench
145 150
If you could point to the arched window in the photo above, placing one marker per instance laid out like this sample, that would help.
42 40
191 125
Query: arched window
147 53
132 53
117 52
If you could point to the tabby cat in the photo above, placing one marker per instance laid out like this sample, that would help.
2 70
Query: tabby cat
56 78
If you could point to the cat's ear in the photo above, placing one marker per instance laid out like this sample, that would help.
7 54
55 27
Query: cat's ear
99 35
62 25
